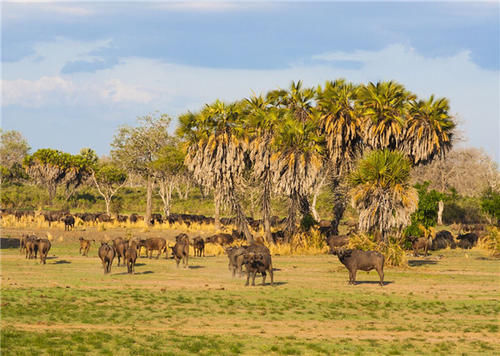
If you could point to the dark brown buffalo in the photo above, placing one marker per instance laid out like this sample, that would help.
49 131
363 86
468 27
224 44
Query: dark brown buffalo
362 260
467 241
443 240
43 246
199 246
106 254
131 257
85 246
69 222
181 250
153 244
120 245
420 243
257 259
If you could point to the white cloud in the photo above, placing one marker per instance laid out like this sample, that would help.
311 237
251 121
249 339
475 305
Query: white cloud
34 93
116 91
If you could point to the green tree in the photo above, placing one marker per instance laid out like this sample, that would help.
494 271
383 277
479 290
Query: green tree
426 214
168 170
381 192
13 149
52 168
136 148
108 179
490 204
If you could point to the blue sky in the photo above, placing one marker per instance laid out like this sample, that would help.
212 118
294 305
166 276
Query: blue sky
72 73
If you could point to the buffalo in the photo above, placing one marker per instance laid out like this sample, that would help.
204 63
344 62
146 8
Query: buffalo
106 254
131 257
443 240
120 245
257 258
181 250
85 246
43 246
468 240
420 243
235 255
69 222
153 244
199 246
362 260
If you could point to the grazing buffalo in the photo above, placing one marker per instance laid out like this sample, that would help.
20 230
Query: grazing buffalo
153 244
199 246
467 241
420 243
362 260
120 245
131 257
106 254
181 250
257 259
69 222
43 246
85 246
443 240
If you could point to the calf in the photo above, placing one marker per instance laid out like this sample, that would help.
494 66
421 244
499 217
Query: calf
106 254
420 243
120 247
256 261
199 246
362 260
181 251
85 246
131 257
153 244
43 246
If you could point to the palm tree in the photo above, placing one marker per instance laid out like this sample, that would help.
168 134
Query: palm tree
384 108
261 120
381 192
341 125
296 164
429 130
216 155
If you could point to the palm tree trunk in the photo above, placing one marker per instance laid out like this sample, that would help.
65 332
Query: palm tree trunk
242 221
266 211
291 220
149 200
217 211
339 205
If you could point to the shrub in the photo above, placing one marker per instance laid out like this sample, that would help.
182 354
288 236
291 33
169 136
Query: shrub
491 241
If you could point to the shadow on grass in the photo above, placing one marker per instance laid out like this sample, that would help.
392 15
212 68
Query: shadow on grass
140 264
195 267
61 262
417 263
136 273
374 282
52 257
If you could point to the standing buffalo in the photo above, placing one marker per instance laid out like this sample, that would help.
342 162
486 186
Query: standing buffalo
106 254
69 222
153 244
420 243
31 247
120 246
363 260
181 250
199 246
131 257
257 258
43 249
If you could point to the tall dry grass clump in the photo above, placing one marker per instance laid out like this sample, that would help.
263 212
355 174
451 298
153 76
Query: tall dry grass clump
491 241
394 254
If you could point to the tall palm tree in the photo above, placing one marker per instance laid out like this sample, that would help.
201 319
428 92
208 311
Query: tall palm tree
384 107
216 155
296 164
381 192
429 130
341 125
261 121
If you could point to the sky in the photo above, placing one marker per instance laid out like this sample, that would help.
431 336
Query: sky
72 73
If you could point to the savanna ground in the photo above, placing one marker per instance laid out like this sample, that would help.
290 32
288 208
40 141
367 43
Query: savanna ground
445 304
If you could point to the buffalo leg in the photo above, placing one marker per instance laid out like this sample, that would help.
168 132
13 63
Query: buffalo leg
381 275
263 278
248 278
253 277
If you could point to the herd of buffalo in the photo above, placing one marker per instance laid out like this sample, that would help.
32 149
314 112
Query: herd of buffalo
256 258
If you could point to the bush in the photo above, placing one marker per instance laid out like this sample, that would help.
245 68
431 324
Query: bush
427 211
491 241
490 204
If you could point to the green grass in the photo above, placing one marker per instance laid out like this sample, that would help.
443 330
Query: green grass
448 306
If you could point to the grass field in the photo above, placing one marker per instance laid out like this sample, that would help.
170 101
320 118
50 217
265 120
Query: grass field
445 304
